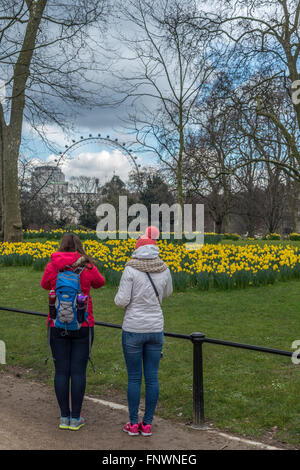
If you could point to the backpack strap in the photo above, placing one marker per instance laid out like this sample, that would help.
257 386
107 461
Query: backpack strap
154 287
157 295
48 341
90 348
73 267
90 339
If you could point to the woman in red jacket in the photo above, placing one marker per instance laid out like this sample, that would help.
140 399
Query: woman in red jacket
71 352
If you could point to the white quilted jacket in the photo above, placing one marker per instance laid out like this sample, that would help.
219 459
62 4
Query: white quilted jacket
143 312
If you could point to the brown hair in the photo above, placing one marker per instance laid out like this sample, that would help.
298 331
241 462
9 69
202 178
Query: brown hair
72 243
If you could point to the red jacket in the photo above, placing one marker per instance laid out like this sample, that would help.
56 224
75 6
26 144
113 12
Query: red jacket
90 277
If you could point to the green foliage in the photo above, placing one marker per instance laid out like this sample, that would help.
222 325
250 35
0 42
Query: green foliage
202 281
181 281
213 239
294 237
112 277
39 264
272 236
231 236
16 260
222 281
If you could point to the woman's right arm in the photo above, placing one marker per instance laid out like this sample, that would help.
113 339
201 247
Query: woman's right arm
49 277
123 297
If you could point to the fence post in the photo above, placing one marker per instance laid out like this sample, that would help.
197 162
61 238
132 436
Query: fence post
198 393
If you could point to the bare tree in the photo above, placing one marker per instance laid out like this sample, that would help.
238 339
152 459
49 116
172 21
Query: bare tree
232 142
262 145
266 38
47 59
83 198
216 193
170 65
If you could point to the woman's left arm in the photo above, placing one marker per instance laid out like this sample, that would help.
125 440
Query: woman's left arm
97 279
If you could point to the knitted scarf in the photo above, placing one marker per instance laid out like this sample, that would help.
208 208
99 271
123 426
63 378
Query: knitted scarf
155 265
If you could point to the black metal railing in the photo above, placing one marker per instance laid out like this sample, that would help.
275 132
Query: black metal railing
197 340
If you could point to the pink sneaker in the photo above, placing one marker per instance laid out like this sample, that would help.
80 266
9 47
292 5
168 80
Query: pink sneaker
131 429
145 429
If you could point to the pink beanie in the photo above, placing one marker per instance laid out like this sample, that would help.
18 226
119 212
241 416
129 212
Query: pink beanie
151 234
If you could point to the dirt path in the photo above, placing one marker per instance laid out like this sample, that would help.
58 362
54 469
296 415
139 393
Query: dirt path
29 418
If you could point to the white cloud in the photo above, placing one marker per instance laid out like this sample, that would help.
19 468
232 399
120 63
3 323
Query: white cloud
101 165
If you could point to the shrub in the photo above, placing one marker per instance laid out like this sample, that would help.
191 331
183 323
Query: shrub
223 281
181 281
24 260
39 264
7 260
264 277
112 277
202 280
294 237
212 238
16 260
231 236
242 278
272 236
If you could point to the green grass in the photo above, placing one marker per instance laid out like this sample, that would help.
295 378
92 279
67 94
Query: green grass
245 392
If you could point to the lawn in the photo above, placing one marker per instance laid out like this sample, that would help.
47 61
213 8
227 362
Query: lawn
246 392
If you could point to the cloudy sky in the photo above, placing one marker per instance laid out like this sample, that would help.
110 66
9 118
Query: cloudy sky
102 164
92 159
95 159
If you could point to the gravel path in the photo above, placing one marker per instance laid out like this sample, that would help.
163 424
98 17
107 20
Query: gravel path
29 421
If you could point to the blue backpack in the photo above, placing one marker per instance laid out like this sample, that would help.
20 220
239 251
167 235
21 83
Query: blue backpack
67 289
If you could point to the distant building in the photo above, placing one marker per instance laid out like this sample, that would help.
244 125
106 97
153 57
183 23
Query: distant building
66 199
49 181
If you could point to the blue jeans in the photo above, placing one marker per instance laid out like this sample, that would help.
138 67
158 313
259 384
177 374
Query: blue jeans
70 355
142 349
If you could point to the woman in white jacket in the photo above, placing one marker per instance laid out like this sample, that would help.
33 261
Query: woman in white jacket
141 295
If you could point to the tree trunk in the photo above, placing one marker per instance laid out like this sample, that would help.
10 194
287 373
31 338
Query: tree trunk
227 223
12 222
297 204
219 224
293 196
251 224
295 214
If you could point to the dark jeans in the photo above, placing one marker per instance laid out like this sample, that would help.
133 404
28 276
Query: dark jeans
142 349
70 356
